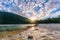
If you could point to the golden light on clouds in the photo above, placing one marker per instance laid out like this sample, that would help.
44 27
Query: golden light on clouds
33 19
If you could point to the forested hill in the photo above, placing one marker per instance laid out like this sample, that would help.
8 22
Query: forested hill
50 20
10 18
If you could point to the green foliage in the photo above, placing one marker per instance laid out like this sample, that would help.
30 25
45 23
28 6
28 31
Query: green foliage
50 20
10 18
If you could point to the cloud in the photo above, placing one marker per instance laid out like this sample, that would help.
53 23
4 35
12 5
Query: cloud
40 9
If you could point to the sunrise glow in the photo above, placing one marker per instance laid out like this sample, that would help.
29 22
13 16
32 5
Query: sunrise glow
33 19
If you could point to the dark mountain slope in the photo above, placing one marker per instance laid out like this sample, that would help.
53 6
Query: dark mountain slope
50 20
10 18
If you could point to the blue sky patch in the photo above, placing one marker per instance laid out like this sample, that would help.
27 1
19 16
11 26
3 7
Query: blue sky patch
37 8
57 9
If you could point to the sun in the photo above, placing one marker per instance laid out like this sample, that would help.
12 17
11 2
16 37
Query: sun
33 19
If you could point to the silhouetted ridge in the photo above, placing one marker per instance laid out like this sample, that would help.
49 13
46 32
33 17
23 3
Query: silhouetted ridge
10 18
50 20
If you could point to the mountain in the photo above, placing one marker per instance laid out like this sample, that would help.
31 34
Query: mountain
10 18
50 20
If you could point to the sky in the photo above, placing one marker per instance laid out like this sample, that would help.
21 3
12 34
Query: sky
38 9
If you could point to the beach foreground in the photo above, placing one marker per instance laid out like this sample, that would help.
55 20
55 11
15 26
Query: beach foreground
31 32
